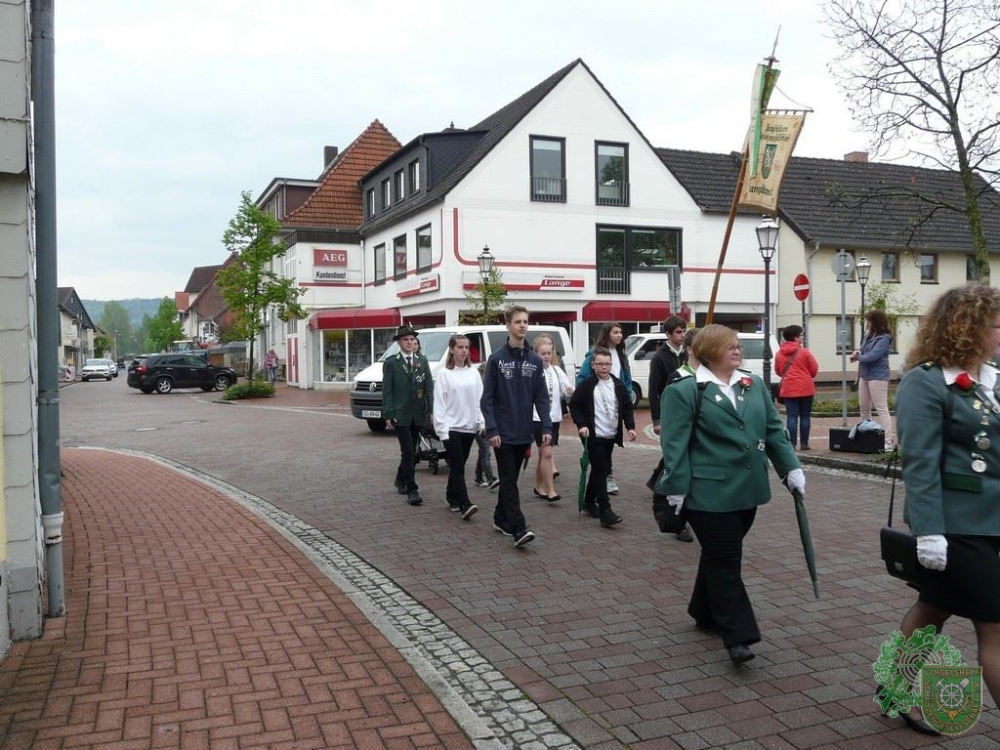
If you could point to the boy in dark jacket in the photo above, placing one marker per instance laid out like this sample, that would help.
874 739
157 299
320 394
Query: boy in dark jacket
513 384
600 408
407 402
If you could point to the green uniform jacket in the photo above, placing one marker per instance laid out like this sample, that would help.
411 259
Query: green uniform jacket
726 467
958 500
407 397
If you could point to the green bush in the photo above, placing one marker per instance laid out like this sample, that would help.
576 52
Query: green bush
253 389
832 406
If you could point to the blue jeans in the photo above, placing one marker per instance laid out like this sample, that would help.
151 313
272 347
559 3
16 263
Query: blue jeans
799 413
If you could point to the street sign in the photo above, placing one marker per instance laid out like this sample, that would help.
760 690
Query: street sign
801 287
842 265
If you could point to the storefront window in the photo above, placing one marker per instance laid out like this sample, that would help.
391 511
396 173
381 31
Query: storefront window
334 359
345 353
359 351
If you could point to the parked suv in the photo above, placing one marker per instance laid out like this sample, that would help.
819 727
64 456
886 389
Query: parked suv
96 368
164 372
366 391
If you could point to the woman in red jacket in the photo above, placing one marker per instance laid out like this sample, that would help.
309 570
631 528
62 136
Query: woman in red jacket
797 367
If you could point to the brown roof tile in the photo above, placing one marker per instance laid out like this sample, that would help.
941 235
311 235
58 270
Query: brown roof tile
337 201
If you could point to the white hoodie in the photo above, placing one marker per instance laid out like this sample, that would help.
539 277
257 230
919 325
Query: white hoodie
456 401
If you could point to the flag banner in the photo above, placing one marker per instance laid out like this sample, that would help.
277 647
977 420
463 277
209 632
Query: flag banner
764 79
778 133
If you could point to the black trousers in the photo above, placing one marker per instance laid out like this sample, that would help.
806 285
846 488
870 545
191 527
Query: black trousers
508 514
719 598
599 450
458 446
409 438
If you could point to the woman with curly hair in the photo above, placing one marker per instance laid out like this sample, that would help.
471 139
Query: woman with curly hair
949 432
874 373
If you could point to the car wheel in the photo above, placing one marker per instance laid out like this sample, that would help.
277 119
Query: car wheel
146 390
376 425
636 394
164 385
222 382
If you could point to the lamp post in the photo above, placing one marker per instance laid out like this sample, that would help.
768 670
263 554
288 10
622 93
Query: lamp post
486 261
116 346
767 239
863 268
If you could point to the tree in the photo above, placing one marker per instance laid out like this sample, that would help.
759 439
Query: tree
925 74
248 284
486 300
115 321
164 327
102 345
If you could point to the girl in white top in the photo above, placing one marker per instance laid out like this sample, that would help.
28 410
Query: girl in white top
457 419
559 388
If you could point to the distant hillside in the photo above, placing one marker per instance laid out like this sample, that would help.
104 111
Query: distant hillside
135 307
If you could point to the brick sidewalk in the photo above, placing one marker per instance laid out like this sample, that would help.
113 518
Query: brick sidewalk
192 624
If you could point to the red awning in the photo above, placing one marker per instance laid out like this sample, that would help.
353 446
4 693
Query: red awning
621 312
354 318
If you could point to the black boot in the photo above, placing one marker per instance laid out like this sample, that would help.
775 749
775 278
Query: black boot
609 518
413 498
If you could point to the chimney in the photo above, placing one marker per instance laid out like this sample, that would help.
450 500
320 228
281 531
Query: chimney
329 154
857 157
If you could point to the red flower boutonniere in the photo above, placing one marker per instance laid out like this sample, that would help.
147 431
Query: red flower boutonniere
965 382
745 382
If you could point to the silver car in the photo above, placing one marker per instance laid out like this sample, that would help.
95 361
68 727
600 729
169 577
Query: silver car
96 368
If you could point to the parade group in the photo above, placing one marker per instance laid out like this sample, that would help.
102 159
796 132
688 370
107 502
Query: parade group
719 428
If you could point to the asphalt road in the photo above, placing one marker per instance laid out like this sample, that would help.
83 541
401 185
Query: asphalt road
590 623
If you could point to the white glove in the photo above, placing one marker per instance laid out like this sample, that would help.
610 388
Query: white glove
796 480
932 551
676 502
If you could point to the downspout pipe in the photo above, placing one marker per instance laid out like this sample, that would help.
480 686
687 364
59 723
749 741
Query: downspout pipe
47 293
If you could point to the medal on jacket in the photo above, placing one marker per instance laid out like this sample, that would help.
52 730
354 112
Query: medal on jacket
982 442
978 464
760 445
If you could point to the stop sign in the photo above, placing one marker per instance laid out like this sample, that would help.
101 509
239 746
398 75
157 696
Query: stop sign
801 287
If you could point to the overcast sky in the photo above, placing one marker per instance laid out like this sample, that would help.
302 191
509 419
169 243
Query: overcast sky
167 110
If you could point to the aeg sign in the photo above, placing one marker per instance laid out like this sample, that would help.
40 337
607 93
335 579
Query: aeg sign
329 257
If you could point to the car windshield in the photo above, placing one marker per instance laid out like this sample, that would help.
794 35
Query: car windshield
632 343
752 348
94 363
433 345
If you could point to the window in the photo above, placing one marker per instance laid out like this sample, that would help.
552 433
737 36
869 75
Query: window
380 264
890 267
414 175
548 169
424 248
654 248
612 277
845 334
399 257
385 194
397 180
612 174
622 250
370 202
971 272
928 268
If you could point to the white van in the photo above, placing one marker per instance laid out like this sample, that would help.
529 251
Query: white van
366 391
640 348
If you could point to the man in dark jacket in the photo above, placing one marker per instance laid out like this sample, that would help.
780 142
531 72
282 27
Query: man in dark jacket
664 364
513 384
407 402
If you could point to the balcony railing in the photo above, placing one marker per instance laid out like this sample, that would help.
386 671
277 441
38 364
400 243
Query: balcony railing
613 281
615 194
548 189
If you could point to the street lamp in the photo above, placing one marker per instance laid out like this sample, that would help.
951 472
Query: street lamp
767 238
486 261
863 268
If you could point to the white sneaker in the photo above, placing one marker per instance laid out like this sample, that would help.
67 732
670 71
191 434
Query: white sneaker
612 486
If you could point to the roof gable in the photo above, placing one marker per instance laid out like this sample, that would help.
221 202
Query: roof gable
337 201
70 302
200 276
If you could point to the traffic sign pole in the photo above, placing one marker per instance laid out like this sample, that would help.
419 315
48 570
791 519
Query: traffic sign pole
801 287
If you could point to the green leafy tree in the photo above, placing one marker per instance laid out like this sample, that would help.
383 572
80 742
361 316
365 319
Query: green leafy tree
487 300
102 345
248 284
164 327
115 321
924 76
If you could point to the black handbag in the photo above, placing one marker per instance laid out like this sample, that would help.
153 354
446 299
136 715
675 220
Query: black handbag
667 518
899 547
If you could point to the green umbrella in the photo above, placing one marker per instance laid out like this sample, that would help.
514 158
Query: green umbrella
581 492
807 545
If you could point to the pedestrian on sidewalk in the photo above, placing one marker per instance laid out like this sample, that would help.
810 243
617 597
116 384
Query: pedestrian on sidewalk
797 368
949 432
723 428
513 385
612 338
484 464
602 412
407 400
558 386
271 365
457 419
874 372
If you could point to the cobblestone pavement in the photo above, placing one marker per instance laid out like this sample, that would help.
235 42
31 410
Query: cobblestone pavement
588 623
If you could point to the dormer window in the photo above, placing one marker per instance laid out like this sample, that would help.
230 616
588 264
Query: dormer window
370 202
397 180
386 202
413 173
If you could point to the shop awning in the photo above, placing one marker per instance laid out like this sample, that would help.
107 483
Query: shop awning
354 318
626 311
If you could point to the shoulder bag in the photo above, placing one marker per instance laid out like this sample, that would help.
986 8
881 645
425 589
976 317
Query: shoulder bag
776 387
668 520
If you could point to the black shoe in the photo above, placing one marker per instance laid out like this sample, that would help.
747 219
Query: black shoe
505 533
413 498
539 494
740 653
554 498
469 512
555 474
401 489
523 538
919 725
685 535
592 510
494 483
609 518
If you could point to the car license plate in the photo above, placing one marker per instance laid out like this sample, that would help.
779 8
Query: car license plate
371 414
